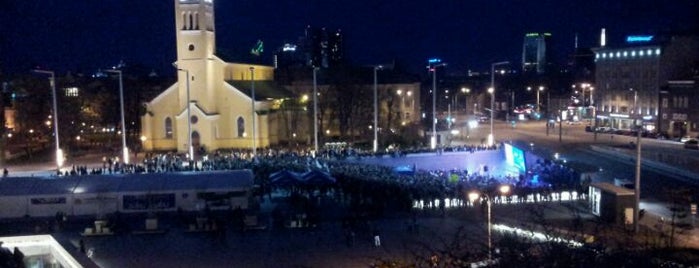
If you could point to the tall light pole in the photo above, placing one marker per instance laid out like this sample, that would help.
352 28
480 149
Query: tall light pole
315 109
376 108
466 91
190 147
59 152
491 137
504 189
637 183
434 63
538 104
254 130
125 150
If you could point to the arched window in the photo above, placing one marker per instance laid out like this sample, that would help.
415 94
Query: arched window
191 22
184 21
241 127
168 128
196 21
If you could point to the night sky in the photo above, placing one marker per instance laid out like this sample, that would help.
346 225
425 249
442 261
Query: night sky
84 35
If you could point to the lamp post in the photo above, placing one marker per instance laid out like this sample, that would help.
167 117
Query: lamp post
52 82
376 108
466 91
637 182
125 150
190 148
434 63
504 189
315 109
491 137
538 103
254 130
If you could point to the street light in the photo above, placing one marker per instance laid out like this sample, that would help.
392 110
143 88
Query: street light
125 150
254 130
376 108
315 109
466 91
637 182
434 63
538 104
491 136
190 148
59 152
473 196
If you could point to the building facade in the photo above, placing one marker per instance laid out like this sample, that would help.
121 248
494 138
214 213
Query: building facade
629 78
678 113
535 52
220 104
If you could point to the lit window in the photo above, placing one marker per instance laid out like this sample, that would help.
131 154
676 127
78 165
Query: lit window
241 127
657 51
618 54
168 128
626 54
633 53
596 55
649 52
71 92
604 55
640 53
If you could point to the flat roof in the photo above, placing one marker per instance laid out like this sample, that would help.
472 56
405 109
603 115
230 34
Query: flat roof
145 182
611 188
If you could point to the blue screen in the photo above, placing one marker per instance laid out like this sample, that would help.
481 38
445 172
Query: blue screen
515 157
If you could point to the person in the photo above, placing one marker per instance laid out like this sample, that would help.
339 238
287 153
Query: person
5 172
377 238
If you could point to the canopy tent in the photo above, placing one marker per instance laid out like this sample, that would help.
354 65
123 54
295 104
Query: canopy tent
317 178
285 178
310 178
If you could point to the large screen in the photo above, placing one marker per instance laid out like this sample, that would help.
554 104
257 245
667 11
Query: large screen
515 157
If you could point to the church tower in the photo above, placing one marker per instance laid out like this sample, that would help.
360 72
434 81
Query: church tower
196 44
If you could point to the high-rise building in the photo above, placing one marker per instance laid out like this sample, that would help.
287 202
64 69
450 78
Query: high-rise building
322 49
535 53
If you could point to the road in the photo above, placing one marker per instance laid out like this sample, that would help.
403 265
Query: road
574 146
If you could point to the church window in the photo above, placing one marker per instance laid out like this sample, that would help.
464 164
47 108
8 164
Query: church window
191 47
241 127
194 119
196 21
168 128
191 22
184 21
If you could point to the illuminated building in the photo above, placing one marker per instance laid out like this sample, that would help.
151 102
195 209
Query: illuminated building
535 52
629 78
211 104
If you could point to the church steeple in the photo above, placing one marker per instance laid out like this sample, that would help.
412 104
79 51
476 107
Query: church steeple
194 24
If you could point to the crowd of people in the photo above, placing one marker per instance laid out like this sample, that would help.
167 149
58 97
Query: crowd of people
360 184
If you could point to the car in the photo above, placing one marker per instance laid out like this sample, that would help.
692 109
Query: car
685 139
574 122
692 144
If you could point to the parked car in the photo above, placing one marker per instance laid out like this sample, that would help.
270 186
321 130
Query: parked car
692 144
685 139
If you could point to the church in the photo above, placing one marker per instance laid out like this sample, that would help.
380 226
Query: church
214 104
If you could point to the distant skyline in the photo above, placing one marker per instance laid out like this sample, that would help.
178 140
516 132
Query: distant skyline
86 35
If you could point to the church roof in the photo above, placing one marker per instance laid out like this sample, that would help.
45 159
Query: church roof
264 89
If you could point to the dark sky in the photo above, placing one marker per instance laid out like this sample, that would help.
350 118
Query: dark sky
85 35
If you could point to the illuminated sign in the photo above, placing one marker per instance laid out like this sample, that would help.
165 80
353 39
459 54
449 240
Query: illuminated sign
639 38
434 60
289 47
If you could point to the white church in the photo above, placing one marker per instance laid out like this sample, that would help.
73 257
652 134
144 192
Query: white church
211 105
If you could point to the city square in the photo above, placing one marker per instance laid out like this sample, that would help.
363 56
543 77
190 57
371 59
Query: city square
192 149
